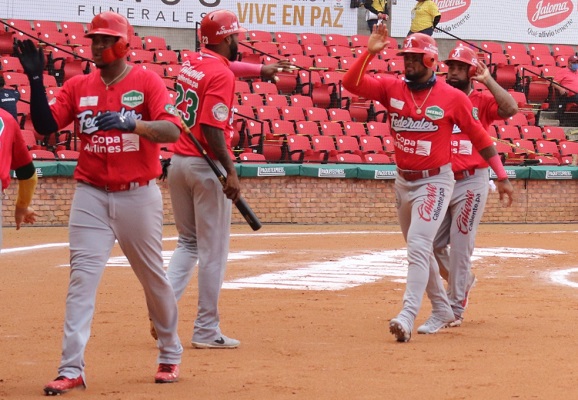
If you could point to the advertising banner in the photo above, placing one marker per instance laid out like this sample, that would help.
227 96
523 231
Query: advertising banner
321 16
525 21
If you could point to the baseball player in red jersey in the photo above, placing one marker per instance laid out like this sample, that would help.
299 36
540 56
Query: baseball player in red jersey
14 156
122 113
205 91
468 200
243 69
423 112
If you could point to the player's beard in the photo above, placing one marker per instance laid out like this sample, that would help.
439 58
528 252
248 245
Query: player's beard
462 85
416 76
233 51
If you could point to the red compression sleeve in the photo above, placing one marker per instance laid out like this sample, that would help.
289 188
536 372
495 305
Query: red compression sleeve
353 78
245 70
496 164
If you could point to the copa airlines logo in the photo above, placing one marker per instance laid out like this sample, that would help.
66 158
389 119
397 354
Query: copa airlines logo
546 13
451 9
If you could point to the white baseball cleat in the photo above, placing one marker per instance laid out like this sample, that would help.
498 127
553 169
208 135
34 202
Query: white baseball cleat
223 342
401 332
434 323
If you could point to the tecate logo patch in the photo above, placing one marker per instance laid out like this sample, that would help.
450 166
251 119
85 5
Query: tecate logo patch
546 13
451 9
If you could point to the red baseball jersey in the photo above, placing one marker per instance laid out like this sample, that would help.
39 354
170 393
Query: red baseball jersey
13 151
465 156
421 121
205 92
114 157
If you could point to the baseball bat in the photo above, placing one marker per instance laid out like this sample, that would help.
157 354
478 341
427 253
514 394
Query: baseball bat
241 204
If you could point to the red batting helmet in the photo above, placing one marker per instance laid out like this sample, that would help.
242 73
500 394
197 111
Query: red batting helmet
217 25
112 24
466 55
572 59
422 44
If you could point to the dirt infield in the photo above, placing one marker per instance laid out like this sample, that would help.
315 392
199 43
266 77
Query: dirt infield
311 306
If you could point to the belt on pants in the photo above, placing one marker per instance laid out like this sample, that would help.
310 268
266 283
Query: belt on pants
459 175
118 187
415 175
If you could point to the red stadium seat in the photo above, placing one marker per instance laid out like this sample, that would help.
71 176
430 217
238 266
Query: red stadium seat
154 43
547 147
311 39
166 56
347 144
359 40
69 155
555 133
355 129
286 37
333 39
568 147
331 128
531 133
259 36
349 158
307 128
370 144
42 155
315 50
250 157
508 132
301 101
277 100
316 114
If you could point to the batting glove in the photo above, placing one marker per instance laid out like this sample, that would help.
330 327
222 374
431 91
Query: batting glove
31 58
113 120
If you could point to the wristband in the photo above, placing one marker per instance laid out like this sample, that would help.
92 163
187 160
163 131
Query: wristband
496 165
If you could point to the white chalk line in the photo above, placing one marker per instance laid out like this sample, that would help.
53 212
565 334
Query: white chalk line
343 273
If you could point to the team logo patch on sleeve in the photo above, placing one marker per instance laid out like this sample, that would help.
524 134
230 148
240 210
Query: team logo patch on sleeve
220 112
475 113
171 109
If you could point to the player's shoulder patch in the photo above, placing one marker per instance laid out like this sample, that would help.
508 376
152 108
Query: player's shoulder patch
171 109
475 113
220 112
1 126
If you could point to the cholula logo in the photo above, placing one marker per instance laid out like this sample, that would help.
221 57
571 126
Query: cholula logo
132 99
434 113
546 13
451 9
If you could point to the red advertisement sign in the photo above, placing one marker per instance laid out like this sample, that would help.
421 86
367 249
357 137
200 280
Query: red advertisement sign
451 9
547 13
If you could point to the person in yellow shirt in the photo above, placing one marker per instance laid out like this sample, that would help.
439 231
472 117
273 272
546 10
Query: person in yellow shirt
424 17
375 11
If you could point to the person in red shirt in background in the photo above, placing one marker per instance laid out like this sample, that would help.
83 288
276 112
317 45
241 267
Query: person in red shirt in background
471 174
14 156
566 84
123 113
423 113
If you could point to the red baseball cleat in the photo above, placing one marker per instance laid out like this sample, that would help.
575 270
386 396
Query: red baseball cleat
167 373
63 384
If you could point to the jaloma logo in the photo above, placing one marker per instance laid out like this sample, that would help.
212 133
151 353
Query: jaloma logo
132 99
